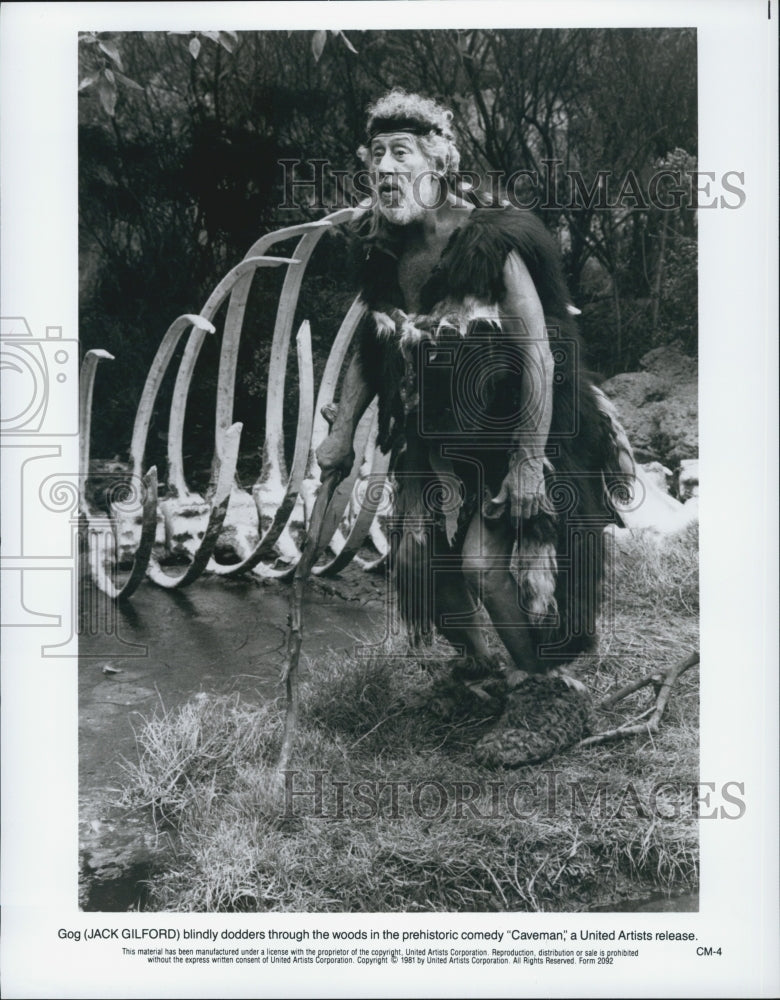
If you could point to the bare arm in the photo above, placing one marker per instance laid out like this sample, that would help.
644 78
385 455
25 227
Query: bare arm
522 319
336 450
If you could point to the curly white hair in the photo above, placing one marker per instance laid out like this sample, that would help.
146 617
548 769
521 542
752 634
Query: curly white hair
429 122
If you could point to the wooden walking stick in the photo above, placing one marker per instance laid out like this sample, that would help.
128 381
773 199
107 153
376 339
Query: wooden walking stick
309 552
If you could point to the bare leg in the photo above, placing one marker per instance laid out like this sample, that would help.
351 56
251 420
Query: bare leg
487 553
543 713
453 598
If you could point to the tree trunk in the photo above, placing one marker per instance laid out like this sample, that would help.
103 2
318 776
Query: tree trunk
618 326
659 273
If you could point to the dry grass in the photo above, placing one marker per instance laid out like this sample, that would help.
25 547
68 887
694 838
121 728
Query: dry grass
206 771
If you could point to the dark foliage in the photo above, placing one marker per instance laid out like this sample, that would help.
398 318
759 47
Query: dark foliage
182 137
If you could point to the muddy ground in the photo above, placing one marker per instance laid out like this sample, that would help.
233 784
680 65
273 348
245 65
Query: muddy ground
164 647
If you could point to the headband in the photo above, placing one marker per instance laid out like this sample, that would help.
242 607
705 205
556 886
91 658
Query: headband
416 126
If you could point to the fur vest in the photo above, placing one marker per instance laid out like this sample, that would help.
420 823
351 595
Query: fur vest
446 389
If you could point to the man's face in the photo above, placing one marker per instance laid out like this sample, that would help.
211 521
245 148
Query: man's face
405 185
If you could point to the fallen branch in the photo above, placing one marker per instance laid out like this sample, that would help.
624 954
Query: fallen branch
309 553
663 683
656 679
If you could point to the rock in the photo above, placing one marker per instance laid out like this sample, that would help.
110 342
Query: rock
652 508
128 524
658 406
543 716
689 479
659 475
268 495
186 519
240 533
669 363
120 850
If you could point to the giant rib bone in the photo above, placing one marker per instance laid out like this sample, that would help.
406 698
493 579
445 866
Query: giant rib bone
264 545
274 500
190 518
216 517
370 497
277 501
308 488
189 524
137 499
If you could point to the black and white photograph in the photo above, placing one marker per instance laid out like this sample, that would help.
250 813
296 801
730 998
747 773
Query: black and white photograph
364 463
437 299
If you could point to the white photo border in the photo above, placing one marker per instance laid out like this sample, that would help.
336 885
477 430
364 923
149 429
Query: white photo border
738 323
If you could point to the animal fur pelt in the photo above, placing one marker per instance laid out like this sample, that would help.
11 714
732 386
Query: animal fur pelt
446 422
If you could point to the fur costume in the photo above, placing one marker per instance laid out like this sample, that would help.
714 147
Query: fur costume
448 385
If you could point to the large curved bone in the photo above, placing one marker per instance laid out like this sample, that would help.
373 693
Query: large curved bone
181 502
327 388
310 233
325 393
154 379
270 490
176 481
264 243
86 390
101 537
273 470
379 463
336 509
330 376
227 464
373 496
218 509
237 284
125 519
311 427
298 467
143 553
369 495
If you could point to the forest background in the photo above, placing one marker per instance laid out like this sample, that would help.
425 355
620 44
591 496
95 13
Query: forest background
189 143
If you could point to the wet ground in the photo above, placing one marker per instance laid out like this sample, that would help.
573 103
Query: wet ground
217 636
164 647
161 649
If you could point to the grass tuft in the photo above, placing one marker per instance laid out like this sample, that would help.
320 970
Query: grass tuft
384 808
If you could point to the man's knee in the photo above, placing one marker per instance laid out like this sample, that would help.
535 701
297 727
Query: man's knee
498 584
472 576
491 584
486 558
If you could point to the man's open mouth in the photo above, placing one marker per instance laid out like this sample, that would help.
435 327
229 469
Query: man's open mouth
390 193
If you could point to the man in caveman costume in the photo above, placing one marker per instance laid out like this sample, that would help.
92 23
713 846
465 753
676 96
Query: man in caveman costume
498 437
